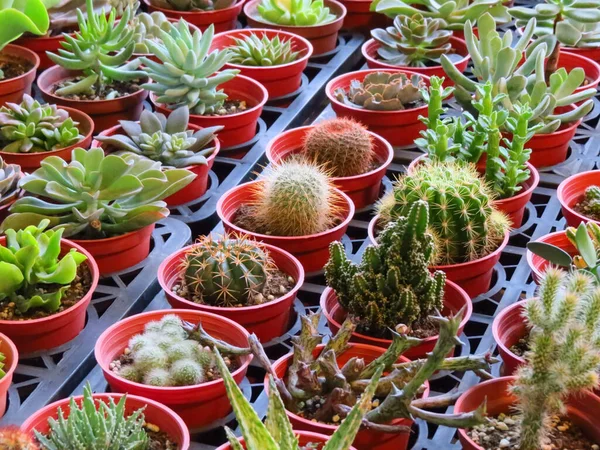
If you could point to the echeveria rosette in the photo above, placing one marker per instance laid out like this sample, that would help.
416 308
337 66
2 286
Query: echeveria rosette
295 12
9 179
96 196
253 50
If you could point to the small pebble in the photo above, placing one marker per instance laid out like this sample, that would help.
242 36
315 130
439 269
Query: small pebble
504 443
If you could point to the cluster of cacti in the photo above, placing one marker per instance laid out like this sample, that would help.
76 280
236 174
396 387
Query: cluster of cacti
166 140
383 91
342 146
295 12
12 438
33 273
96 195
253 50
9 180
193 5
591 200
30 127
145 27
187 75
392 286
462 216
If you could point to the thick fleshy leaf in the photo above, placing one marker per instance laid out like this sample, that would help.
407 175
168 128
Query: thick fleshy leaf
550 253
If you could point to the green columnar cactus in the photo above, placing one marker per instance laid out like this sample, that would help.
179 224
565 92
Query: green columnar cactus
96 196
392 285
383 91
253 50
145 26
187 75
9 179
564 355
194 5
295 12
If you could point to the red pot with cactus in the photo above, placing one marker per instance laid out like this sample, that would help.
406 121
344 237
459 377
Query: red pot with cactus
304 438
8 365
222 19
508 328
537 264
268 320
12 89
40 45
198 405
572 191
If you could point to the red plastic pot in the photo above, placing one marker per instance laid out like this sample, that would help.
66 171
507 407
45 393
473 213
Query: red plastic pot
197 187
369 51
474 277
223 19
198 405
12 89
312 251
399 128
508 328
304 438
238 128
455 299
362 189
55 330
537 264
279 80
267 321
365 439
40 45
582 409
571 191
590 53
359 16
322 37
155 413
104 113
11 359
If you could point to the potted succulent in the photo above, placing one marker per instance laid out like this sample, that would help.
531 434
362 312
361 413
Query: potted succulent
47 284
10 174
213 98
318 21
109 209
9 358
107 421
167 356
29 132
294 206
89 77
356 159
389 103
209 276
274 58
578 196
172 142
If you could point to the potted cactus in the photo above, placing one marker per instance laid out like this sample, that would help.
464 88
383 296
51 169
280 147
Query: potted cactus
209 276
110 208
578 196
12 438
10 174
166 356
274 58
357 159
294 206
213 98
9 358
318 21
172 142
389 103
107 421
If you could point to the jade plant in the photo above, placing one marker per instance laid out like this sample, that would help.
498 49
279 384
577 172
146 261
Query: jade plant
96 196
383 91
187 74
32 273
193 5
145 26
253 50
9 180
295 12
166 140
12 438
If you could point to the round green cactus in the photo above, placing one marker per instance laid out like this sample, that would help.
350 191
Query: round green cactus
157 377
186 372
150 357
182 350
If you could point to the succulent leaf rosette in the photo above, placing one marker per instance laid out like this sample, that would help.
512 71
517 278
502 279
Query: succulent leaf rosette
295 12
253 50
145 27
9 180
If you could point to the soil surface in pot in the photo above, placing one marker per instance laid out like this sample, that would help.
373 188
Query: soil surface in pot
521 347
504 431
79 287
588 208
122 88
14 67
231 107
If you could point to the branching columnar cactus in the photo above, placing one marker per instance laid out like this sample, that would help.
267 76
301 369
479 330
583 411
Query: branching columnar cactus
96 196
253 50
343 146
295 12
145 27
166 140
383 91
194 5
462 216
12 438
392 286
9 180
187 75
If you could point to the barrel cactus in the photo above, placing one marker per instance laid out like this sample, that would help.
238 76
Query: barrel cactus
263 51
9 179
295 12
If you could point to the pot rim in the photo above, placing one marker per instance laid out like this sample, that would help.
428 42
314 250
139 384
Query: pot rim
530 255
33 57
534 177
321 438
562 186
14 356
339 18
496 325
185 14
109 240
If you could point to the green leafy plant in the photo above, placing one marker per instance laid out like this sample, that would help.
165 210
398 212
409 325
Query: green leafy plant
96 196
187 75
9 180
166 140
194 5
295 12
31 269
253 50
145 27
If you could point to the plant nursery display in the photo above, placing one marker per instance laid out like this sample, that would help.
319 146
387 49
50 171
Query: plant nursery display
253 50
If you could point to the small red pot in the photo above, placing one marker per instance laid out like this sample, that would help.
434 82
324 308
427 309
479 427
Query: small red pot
365 439
571 60
582 409
154 413
312 251
455 298
322 37
362 189
238 128
267 321
223 19
304 438
399 128
571 191
40 45
508 328
51 331
104 113
12 89
11 359
279 81
538 264
198 405
197 187
369 51
590 53
359 16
